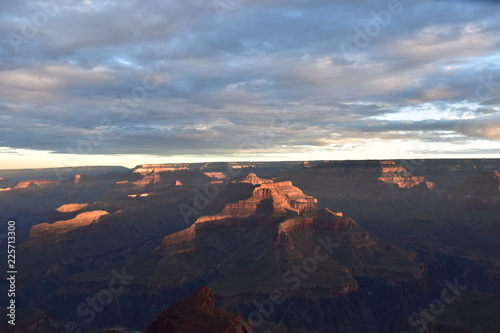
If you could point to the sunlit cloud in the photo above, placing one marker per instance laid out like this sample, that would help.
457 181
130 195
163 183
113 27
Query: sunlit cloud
121 80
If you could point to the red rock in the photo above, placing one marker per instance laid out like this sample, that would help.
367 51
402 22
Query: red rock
79 178
267 198
215 175
198 314
51 229
150 179
393 173
29 183
253 179
69 208
150 168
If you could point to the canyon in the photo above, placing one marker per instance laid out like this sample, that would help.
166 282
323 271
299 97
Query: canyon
320 246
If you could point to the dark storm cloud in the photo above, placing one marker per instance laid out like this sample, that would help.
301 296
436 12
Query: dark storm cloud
172 77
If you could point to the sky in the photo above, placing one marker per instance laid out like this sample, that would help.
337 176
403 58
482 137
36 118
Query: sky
158 81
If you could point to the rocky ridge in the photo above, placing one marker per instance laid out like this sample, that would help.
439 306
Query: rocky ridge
30 184
279 218
61 227
198 314
392 173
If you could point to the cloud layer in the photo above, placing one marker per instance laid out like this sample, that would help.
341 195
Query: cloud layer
235 77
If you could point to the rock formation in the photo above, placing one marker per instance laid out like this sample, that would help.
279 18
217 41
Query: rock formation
217 175
35 183
62 227
281 225
267 198
465 221
70 208
448 173
81 178
377 191
140 181
147 169
198 314
391 173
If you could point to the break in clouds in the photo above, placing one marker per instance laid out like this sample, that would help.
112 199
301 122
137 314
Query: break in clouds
197 77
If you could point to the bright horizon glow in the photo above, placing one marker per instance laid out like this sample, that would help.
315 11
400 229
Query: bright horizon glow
375 150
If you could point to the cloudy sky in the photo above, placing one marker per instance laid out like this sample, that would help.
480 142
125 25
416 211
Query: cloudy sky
128 82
